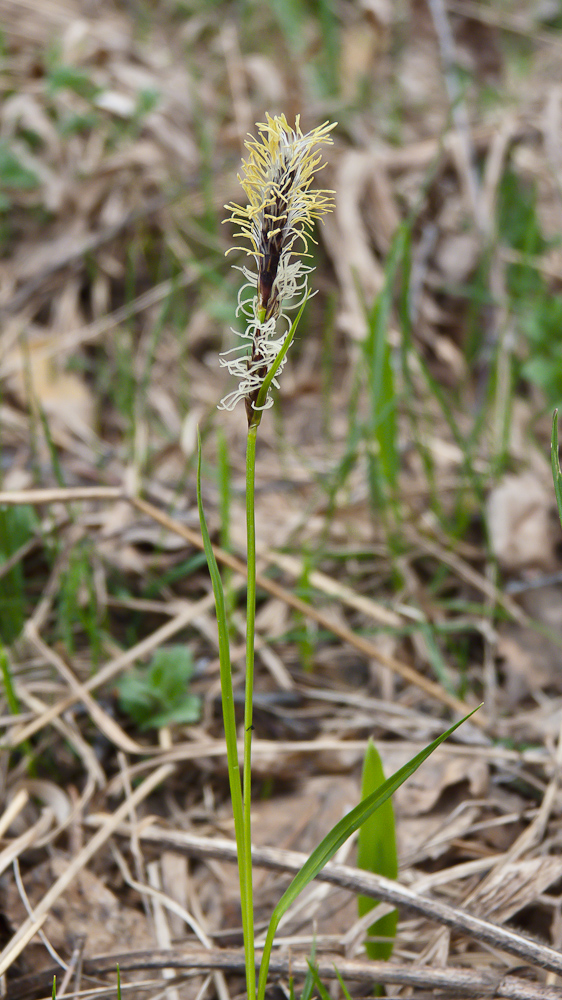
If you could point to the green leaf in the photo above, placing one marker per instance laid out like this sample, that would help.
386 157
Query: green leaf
264 388
189 711
344 988
13 173
227 697
157 695
322 991
336 837
376 852
17 527
72 78
308 986
556 471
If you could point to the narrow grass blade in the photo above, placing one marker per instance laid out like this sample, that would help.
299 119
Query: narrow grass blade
262 395
556 471
227 696
336 837
382 421
9 690
17 527
376 852
308 986
13 703
225 505
440 668
322 991
344 988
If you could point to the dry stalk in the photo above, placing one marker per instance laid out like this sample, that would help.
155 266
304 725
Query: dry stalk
366 883
454 981
29 928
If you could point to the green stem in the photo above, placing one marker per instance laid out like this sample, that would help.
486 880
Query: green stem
244 840
249 698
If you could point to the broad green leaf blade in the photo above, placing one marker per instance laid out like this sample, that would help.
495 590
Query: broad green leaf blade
376 852
337 836
556 471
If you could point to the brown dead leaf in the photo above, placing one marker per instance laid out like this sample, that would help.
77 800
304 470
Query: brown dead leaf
529 662
37 379
457 256
441 771
430 835
88 912
514 886
364 38
519 523
299 820
349 241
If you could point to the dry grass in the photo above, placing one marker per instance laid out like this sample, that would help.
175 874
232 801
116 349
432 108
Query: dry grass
394 591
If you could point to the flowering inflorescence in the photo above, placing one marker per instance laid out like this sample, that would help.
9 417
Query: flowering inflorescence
277 223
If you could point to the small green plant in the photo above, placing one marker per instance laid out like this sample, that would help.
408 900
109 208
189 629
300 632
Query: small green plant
157 695
67 77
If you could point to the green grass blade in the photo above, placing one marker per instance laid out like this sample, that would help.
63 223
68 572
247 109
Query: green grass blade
225 507
13 703
322 991
556 471
9 690
224 647
343 987
435 657
262 395
308 986
382 426
227 696
336 837
17 527
376 852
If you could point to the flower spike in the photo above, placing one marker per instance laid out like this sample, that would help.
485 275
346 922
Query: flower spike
277 224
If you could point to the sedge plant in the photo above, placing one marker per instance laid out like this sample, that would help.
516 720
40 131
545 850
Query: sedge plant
276 229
